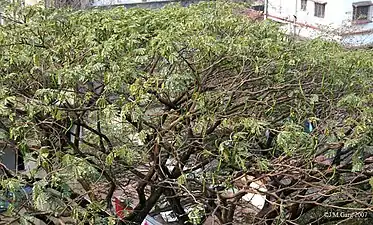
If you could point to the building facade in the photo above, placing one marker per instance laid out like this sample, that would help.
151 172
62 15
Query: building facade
346 21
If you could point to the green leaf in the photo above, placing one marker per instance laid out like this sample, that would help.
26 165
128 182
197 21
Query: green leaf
371 182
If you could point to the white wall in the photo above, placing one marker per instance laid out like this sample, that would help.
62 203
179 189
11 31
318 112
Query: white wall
338 19
31 2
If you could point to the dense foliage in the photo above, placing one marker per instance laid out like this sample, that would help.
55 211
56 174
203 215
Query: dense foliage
106 99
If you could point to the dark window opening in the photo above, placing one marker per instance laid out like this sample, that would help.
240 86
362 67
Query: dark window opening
303 5
320 10
361 13
20 162
258 8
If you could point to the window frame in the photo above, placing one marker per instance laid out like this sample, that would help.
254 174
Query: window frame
318 7
355 11
303 5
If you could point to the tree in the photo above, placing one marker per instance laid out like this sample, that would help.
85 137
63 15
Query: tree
181 103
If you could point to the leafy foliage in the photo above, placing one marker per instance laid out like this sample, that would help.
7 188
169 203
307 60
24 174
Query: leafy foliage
104 99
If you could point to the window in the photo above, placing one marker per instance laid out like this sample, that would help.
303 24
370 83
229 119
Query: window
361 13
12 159
320 10
20 162
303 5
